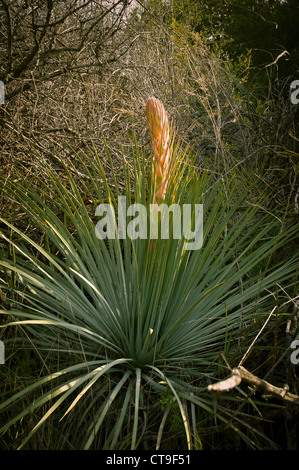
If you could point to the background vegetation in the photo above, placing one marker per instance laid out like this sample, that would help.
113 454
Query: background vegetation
76 72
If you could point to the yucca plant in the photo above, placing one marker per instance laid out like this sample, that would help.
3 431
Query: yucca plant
120 322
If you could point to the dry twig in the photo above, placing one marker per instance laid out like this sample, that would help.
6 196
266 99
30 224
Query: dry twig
240 373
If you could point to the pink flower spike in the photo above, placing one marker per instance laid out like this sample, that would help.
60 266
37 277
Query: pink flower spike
159 129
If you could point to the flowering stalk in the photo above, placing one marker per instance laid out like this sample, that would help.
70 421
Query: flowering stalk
160 135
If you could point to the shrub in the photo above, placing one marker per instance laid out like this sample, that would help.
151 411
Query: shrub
121 323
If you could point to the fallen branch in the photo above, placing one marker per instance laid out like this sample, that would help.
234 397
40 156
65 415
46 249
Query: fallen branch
240 373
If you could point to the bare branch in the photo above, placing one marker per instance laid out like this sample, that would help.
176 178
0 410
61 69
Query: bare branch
9 36
38 41
240 373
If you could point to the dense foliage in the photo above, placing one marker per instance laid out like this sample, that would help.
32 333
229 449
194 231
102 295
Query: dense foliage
112 345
